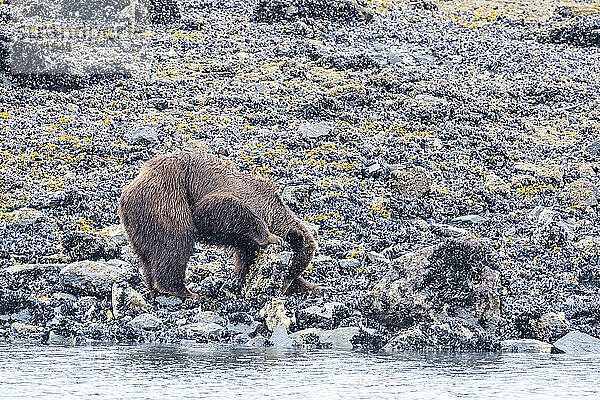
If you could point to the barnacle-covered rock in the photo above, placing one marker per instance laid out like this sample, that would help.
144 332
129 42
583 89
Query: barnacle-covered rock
441 294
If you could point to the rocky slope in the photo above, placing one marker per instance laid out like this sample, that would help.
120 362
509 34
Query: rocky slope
450 157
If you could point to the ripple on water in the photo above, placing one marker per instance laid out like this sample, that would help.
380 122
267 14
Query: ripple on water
193 371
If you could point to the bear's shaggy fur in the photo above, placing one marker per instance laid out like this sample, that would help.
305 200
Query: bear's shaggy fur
185 197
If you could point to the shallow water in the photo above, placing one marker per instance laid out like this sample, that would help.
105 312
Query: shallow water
200 371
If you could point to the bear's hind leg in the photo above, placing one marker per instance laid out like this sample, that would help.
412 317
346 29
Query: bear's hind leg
168 269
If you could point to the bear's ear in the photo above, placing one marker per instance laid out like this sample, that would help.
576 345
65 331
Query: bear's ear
294 237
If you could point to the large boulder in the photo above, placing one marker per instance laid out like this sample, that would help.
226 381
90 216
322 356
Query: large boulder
443 296
578 343
92 277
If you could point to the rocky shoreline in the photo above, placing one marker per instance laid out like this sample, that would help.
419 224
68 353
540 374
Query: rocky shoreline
448 156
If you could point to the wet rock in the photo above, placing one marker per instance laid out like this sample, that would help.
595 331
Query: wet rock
550 326
126 301
280 338
203 331
242 323
583 192
451 286
92 277
336 10
23 316
307 337
340 338
450 335
348 264
410 181
145 322
527 346
325 316
275 314
314 130
27 332
578 343
593 148
143 135
257 341
60 340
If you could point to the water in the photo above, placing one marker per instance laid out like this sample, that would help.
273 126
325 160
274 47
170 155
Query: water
200 371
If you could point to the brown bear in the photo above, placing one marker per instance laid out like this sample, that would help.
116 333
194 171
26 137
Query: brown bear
186 197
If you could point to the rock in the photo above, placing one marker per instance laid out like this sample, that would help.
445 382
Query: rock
348 264
203 330
145 322
275 314
91 277
307 337
314 130
22 316
593 149
548 171
453 285
326 311
377 258
242 323
453 334
20 269
495 184
143 135
126 301
257 341
60 340
583 192
527 346
340 338
268 274
472 219
26 331
427 99
550 326
280 338
25 217
170 301
335 10
578 343
296 195
411 181
551 231
82 243
583 32
116 233
449 230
